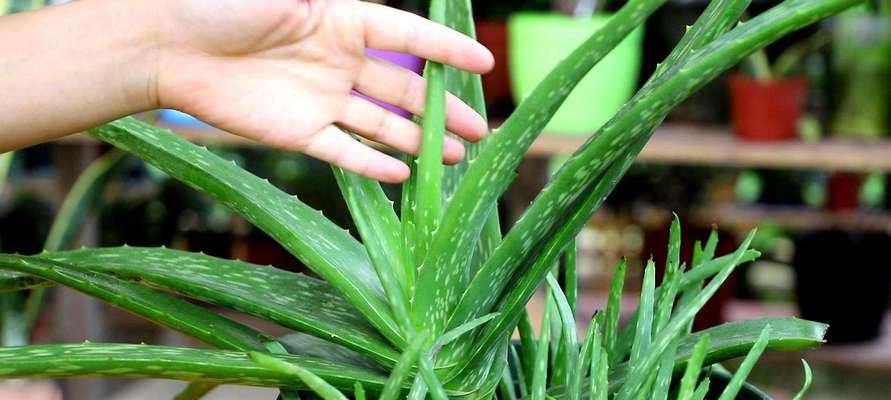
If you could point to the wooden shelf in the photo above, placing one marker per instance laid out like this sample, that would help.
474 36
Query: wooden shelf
796 218
684 144
672 144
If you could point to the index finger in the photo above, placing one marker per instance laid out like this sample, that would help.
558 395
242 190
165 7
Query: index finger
390 29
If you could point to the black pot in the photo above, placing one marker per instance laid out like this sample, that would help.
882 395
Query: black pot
842 279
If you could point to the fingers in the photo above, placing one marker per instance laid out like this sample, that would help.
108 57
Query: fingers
398 86
335 146
395 30
377 124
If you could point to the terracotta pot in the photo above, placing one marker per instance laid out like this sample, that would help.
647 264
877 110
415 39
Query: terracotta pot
767 111
496 84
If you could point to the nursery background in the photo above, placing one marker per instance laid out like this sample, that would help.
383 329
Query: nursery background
796 140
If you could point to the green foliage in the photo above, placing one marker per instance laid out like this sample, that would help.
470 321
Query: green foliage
431 296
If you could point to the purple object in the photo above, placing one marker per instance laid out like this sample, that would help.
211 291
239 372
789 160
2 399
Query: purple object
407 61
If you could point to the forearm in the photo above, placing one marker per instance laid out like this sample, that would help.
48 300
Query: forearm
68 68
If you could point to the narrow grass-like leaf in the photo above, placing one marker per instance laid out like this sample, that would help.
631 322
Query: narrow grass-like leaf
570 274
671 279
459 331
732 340
613 309
739 378
313 382
161 362
643 333
808 379
566 357
641 369
592 347
527 346
599 383
323 246
289 299
538 388
425 364
701 390
694 366
160 308
522 383
693 277
379 227
492 171
666 369
359 391
506 389
401 371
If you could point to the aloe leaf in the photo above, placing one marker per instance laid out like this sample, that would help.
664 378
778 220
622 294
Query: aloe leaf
694 365
644 328
592 347
462 330
506 389
401 371
527 345
379 227
613 308
623 135
408 207
570 274
289 299
318 385
701 390
671 279
732 340
161 362
359 391
301 344
640 370
492 170
739 378
14 282
808 379
540 370
425 364
325 248
599 383
430 169
567 355
171 312
522 383
663 377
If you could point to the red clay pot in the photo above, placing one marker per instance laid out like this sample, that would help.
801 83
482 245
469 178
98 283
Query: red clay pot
496 84
767 111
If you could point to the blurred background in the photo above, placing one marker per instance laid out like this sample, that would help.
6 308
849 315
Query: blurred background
796 141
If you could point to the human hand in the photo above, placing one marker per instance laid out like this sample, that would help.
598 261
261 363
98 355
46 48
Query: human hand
282 72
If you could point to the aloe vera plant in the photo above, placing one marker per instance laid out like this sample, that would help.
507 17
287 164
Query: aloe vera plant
426 303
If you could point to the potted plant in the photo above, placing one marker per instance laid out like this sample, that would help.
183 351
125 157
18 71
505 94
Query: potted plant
861 62
768 102
427 301
537 43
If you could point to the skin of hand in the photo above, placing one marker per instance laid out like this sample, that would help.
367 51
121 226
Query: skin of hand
281 72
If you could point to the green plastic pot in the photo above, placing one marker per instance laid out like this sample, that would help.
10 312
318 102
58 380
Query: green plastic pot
538 41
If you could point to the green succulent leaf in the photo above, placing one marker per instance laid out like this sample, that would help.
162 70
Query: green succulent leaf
324 247
161 362
312 381
163 309
492 171
292 300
